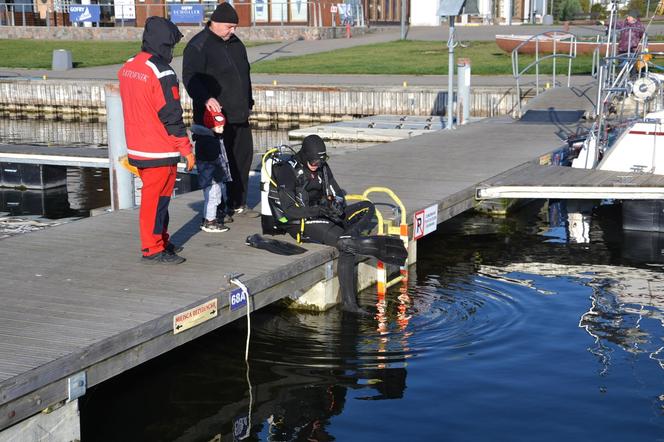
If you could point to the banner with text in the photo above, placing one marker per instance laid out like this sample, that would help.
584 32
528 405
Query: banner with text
84 13
186 13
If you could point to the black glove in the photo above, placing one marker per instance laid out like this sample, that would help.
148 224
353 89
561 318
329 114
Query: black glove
332 214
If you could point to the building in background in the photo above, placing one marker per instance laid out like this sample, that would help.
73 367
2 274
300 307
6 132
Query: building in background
279 12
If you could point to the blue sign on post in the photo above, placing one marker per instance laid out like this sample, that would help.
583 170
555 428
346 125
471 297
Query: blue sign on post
186 13
84 13
237 299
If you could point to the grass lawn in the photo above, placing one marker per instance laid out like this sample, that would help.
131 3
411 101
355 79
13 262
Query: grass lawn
39 53
408 58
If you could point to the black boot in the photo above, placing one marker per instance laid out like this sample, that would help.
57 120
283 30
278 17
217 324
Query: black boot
348 283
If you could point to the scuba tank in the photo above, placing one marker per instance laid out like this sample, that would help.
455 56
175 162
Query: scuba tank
271 214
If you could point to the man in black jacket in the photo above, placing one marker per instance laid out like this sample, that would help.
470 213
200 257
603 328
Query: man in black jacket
216 75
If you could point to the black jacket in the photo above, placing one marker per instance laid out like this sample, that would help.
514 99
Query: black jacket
302 192
214 68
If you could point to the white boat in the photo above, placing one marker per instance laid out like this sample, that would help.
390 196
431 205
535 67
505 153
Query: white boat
638 147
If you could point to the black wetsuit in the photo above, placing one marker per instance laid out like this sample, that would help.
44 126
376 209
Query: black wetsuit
304 195
305 200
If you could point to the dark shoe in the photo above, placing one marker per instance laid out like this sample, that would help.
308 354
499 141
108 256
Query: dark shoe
163 257
224 218
172 248
214 226
246 212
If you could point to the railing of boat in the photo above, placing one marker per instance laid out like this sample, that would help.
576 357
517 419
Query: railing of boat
559 40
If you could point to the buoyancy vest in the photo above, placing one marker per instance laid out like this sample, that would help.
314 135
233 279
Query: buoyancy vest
273 217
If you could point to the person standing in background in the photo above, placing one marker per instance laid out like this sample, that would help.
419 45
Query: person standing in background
632 31
216 74
155 133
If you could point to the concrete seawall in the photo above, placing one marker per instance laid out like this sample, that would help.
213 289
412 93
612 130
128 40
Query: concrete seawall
69 99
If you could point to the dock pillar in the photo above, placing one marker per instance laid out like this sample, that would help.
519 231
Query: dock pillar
463 90
323 295
121 180
449 112
60 424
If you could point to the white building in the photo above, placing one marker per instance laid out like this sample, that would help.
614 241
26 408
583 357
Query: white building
424 12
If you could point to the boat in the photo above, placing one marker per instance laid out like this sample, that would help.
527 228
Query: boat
632 145
562 41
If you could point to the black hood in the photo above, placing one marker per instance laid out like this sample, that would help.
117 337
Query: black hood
160 37
313 148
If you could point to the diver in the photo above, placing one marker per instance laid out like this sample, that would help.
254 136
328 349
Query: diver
308 204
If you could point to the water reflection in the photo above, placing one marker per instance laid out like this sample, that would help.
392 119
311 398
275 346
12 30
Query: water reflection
44 132
85 189
500 330
296 388
623 297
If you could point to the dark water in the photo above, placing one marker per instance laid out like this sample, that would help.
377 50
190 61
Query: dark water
508 329
86 189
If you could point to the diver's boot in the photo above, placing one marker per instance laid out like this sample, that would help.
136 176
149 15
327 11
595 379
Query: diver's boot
348 284
388 249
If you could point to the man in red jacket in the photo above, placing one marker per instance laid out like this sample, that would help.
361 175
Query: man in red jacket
156 135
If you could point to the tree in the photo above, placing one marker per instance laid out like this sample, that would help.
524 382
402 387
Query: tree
568 9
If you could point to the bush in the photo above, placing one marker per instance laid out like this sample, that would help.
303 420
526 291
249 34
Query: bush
585 6
638 5
598 12
568 9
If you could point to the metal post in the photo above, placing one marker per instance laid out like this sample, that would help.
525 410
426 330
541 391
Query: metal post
509 12
253 14
403 19
463 91
450 75
554 64
121 180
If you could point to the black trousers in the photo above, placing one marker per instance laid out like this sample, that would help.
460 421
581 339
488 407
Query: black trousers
358 217
240 149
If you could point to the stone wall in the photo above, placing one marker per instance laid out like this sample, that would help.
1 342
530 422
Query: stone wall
255 33
69 99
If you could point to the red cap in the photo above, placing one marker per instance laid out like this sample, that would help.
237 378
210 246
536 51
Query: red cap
214 121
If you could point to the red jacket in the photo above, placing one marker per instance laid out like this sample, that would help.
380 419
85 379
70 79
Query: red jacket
154 130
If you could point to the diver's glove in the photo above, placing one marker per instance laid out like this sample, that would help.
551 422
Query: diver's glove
333 214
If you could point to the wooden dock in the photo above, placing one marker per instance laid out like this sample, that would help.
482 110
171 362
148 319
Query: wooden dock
534 181
75 299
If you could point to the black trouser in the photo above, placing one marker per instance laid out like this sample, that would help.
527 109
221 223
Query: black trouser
358 217
240 149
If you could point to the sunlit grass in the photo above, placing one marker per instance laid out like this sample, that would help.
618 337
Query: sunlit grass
39 53
409 58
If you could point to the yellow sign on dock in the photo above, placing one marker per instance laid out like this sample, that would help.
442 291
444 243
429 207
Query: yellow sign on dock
195 316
